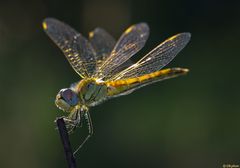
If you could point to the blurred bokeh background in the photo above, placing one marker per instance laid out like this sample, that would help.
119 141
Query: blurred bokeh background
191 121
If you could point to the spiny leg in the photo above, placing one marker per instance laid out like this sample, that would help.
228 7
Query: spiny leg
73 120
69 123
90 130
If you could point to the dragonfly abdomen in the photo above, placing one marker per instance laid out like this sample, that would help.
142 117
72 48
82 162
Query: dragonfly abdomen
128 85
139 79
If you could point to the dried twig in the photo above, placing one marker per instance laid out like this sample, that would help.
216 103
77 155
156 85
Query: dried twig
66 143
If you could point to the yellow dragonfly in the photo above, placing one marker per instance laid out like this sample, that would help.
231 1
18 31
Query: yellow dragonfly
103 64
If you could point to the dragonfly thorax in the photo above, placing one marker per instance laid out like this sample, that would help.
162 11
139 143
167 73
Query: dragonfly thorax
91 92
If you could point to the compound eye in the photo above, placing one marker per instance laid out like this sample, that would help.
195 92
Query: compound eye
69 96
66 94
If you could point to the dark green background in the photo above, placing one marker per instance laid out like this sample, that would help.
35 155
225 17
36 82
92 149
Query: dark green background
191 121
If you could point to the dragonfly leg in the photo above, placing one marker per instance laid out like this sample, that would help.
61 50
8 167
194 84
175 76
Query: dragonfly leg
72 121
68 122
80 116
90 130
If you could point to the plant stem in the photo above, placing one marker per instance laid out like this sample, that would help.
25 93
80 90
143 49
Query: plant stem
66 143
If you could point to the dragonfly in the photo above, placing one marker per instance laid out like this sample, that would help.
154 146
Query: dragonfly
104 67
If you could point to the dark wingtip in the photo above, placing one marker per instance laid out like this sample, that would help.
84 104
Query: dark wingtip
47 22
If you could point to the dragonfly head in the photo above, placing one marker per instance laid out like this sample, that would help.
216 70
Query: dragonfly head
66 99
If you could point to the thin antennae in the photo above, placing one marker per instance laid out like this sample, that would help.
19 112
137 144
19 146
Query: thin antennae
90 130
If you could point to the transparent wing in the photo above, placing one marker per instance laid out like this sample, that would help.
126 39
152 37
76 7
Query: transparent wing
75 47
130 42
157 58
102 42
